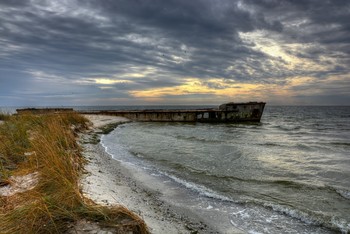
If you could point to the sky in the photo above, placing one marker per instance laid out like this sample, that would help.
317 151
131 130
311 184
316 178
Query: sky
174 52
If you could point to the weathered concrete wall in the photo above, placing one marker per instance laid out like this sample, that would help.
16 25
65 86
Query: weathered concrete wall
159 116
232 113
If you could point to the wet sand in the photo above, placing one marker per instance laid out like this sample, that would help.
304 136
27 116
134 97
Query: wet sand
109 182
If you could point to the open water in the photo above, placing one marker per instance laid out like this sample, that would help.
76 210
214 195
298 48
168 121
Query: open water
288 174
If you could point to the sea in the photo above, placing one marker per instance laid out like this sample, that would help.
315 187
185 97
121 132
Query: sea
290 173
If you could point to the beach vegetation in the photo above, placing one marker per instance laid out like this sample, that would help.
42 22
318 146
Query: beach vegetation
4 116
46 145
95 137
108 128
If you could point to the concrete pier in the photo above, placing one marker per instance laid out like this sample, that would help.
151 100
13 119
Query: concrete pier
230 112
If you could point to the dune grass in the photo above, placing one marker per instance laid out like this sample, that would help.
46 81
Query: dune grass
4 116
46 144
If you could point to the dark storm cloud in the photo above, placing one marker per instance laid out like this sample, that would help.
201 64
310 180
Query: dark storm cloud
208 28
312 21
325 22
68 44
14 3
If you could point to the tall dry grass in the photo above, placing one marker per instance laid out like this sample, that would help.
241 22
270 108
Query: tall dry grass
56 202
4 116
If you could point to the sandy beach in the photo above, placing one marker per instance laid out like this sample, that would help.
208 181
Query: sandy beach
108 182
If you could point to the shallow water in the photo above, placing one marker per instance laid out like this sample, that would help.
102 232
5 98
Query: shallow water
289 171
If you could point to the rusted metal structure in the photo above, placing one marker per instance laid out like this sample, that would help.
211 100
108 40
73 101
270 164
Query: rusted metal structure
229 112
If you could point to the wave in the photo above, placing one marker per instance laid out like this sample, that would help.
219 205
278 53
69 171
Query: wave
200 189
331 222
307 216
343 193
339 143
287 128
197 139
270 144
285 183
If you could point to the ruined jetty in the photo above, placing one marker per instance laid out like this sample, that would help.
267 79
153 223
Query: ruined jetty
229 112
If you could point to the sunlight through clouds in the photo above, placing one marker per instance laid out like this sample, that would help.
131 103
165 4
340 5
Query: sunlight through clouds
283 52
196 86
110 81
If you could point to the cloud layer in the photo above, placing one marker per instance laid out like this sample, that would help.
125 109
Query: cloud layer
122 52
